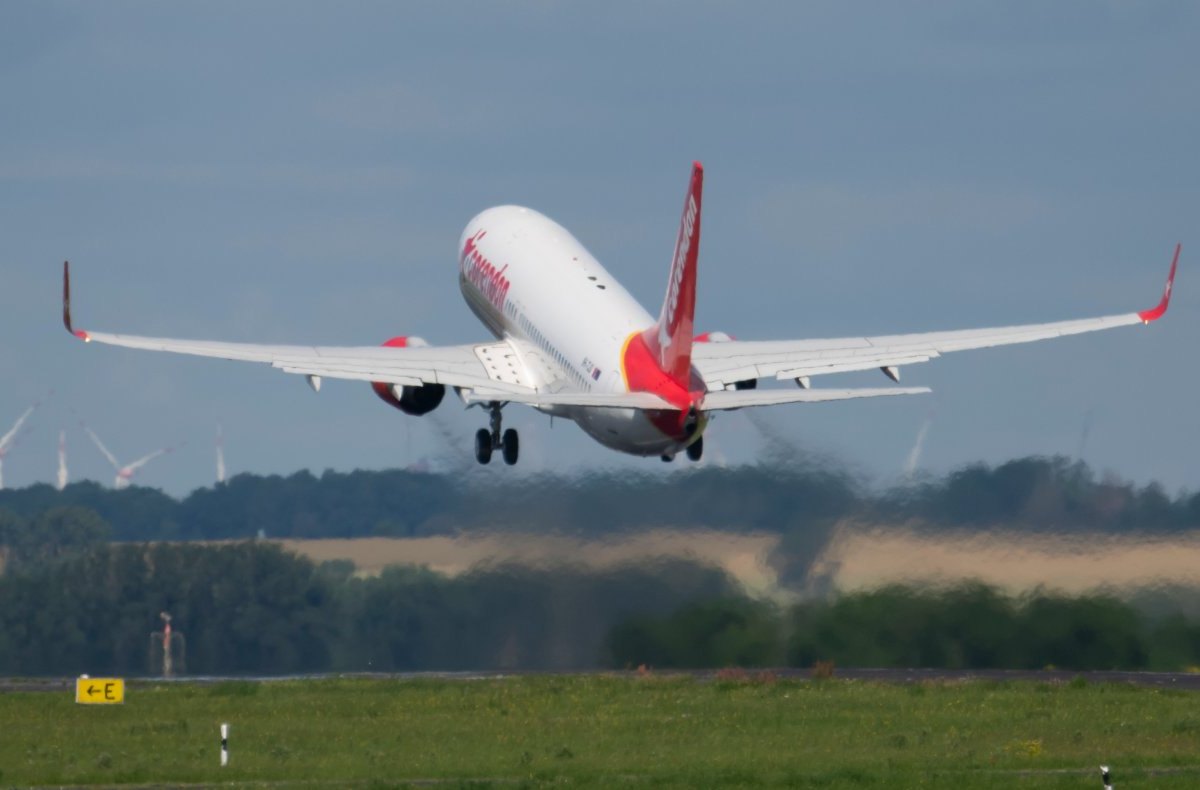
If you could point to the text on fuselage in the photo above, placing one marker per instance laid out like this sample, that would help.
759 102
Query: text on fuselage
677 270
481 273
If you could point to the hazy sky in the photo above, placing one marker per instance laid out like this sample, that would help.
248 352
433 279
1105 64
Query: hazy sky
300 173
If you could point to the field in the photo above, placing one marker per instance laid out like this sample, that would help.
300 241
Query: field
856 557
743 556
605 731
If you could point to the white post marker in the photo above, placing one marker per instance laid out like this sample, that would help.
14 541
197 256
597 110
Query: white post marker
1106 777
224 745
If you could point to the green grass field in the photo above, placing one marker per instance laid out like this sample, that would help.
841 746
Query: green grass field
594 731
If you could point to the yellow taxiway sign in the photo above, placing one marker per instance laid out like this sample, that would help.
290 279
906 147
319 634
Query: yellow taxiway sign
99 691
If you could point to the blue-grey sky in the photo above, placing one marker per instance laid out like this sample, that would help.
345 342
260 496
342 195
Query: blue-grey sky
300 172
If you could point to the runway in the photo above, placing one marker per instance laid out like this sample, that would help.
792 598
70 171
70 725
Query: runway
1183 681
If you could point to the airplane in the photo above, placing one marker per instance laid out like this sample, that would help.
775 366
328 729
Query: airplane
572 343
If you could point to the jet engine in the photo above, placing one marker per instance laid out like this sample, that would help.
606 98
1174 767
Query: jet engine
723 337
410 400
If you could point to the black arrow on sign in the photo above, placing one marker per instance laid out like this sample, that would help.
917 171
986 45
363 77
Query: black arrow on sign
92 691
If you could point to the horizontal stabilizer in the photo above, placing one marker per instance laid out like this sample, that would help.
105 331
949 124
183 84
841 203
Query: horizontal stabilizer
610 400
723 400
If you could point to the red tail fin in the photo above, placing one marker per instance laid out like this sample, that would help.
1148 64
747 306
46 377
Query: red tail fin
670 340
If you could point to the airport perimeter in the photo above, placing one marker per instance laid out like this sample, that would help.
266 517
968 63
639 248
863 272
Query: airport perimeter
731 728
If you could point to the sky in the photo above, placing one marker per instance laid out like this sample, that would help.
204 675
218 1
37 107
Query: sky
296 172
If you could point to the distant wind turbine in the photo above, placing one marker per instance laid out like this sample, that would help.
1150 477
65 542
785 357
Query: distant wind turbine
125 473
62 460
220 455
914 456
1084 434
8 440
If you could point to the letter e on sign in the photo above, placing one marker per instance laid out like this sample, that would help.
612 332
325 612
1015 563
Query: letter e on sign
100 691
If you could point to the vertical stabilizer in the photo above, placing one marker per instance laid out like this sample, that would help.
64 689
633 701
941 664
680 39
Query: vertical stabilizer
670 340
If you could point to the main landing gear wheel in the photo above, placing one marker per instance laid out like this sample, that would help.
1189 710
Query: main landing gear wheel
488 441
483 446
510 446
696 449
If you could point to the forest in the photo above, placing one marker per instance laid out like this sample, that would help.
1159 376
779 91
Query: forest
1029 494
87 572
252 608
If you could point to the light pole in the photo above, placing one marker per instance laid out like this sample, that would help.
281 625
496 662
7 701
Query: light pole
168 669
172 646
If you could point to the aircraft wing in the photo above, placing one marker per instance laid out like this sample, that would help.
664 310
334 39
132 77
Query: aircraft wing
457 366
723 363
484 365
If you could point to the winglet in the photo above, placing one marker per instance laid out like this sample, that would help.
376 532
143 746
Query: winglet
67 304
1153 315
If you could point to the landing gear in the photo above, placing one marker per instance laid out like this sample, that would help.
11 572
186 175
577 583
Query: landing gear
487 441
696 449
483 446
510 446
666 459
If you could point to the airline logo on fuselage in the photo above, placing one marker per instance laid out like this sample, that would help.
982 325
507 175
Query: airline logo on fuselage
481 273
677 267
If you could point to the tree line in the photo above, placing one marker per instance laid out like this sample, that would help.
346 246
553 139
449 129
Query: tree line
789 495
253 608
88 605
969 626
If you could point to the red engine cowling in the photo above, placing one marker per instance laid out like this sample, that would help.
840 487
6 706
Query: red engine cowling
410 400
713 337
722 337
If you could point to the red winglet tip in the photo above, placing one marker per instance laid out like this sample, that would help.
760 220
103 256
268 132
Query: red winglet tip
79 333
1157 312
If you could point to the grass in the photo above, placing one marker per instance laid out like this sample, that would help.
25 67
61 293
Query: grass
595 731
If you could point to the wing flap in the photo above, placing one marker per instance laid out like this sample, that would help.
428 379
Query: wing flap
353 375
822 367
725 400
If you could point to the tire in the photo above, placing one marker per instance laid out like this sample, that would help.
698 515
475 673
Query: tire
696 449
510 447
666 459
483 446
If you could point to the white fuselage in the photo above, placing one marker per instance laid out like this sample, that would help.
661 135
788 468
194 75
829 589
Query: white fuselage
534 286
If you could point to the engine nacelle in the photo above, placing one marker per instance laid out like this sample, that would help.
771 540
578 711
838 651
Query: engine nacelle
722 337
410 400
